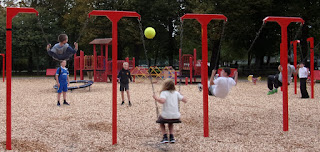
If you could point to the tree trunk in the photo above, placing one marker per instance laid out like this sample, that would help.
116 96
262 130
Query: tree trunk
136 53
30 61
268 61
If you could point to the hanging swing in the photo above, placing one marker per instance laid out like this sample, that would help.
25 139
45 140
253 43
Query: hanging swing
159 118
62 50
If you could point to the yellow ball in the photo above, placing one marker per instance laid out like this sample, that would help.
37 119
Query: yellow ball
149 32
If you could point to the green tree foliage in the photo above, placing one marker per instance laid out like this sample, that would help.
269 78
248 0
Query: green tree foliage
71 17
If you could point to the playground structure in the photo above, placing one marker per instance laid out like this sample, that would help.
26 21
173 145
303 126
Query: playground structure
284 22
98 64
115 16
139 74
189 66
314 74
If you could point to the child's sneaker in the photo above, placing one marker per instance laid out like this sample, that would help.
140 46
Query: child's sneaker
200 87
172 140
130 104
66 103
58 104
122 102
275 90
165 139
270 92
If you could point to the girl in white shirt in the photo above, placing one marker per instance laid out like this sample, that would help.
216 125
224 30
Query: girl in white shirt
170 114
303 76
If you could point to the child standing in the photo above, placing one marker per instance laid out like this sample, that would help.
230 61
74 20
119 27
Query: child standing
62 50
62 78
303 76
170 114
124 76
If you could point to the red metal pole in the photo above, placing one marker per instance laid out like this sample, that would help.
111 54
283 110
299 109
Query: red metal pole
114 80
106 61
8 68
180 62
74 66
186 81
114 17
11 13
284 22
190 65
311 41
94 63
195 61
204 77
3 66
294 43
133 62
81 62
175 78
204 20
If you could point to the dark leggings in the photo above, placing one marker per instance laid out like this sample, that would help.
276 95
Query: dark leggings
303 88
273 81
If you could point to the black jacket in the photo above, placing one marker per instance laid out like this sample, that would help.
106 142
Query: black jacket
124 76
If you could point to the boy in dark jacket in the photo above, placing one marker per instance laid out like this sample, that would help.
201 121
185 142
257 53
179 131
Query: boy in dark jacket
124 76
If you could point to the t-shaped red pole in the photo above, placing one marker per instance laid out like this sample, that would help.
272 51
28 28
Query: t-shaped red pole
3 64
284 22
311 41
294 43
11 13
204 19
114 17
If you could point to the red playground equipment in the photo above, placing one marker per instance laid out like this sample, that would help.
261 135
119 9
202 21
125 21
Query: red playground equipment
189 66
99 64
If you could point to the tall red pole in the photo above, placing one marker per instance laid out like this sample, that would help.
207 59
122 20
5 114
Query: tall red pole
180 63
190 65
106 62
284 22
294 43
114 79
194 62
11 13
204 20
311 41
114 17
94 63
175 77
75 66
81 62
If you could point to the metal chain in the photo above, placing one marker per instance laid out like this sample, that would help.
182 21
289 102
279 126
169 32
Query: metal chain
297 33
257 35
181 42
145 53
220 43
